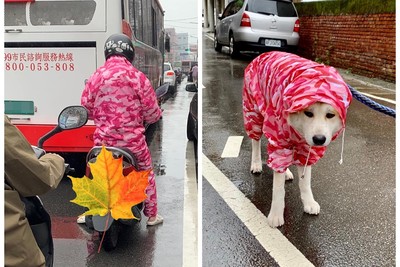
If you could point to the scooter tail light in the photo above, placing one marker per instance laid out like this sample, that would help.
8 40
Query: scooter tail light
245 22
170 73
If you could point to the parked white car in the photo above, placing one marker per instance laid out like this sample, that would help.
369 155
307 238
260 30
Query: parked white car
169 76
257 25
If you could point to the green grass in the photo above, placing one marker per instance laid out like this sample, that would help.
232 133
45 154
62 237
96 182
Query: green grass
346 7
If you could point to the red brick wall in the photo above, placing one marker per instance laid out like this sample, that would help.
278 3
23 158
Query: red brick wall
363 44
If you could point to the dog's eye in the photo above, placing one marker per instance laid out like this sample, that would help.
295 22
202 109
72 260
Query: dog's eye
309 114
330 115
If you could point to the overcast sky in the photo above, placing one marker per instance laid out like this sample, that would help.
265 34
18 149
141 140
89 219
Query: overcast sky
183 16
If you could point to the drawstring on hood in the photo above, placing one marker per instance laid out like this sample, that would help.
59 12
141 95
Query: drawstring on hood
308 156
341 153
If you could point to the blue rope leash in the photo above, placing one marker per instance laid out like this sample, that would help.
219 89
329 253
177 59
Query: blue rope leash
372 104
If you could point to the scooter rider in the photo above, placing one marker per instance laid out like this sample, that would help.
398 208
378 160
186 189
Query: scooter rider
120 99
25 175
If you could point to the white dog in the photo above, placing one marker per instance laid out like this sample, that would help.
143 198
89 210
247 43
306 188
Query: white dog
300 106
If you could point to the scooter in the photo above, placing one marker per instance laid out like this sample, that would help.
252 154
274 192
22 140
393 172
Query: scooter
106 226
71 117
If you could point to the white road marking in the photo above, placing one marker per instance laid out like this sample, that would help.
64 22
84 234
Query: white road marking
273 241
190 211
209 36
232 147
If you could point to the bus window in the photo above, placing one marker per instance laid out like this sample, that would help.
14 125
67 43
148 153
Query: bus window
14 14
62 13
145 19
136 18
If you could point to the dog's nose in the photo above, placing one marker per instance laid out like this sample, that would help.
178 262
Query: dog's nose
319 140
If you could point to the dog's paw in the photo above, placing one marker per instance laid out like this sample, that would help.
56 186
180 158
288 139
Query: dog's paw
312 207
256 168
275 220
288 175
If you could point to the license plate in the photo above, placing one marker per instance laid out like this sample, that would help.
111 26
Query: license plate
274 43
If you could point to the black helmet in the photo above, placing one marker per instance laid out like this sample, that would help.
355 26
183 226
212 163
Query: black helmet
119 44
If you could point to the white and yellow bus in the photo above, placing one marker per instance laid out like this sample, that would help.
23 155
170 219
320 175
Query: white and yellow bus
53 46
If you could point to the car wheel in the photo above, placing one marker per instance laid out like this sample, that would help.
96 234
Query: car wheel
233 47
217 46
190 129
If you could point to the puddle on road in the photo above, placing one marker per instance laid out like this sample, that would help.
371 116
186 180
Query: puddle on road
68 236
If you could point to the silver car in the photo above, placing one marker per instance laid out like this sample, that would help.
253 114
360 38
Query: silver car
257 25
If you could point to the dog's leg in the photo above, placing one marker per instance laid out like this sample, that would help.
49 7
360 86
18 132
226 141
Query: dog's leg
256 163
310 205
275 216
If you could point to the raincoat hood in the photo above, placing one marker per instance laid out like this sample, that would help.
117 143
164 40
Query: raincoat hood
319 83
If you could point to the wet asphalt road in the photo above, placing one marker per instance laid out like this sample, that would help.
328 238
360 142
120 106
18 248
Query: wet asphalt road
139 245
356 225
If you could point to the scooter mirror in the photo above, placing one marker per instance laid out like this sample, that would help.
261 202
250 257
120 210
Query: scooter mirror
191 87
72 117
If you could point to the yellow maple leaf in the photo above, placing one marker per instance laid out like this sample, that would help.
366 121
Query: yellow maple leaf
109 190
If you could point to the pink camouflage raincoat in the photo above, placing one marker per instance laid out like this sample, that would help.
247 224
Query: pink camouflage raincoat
120 99
279 83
